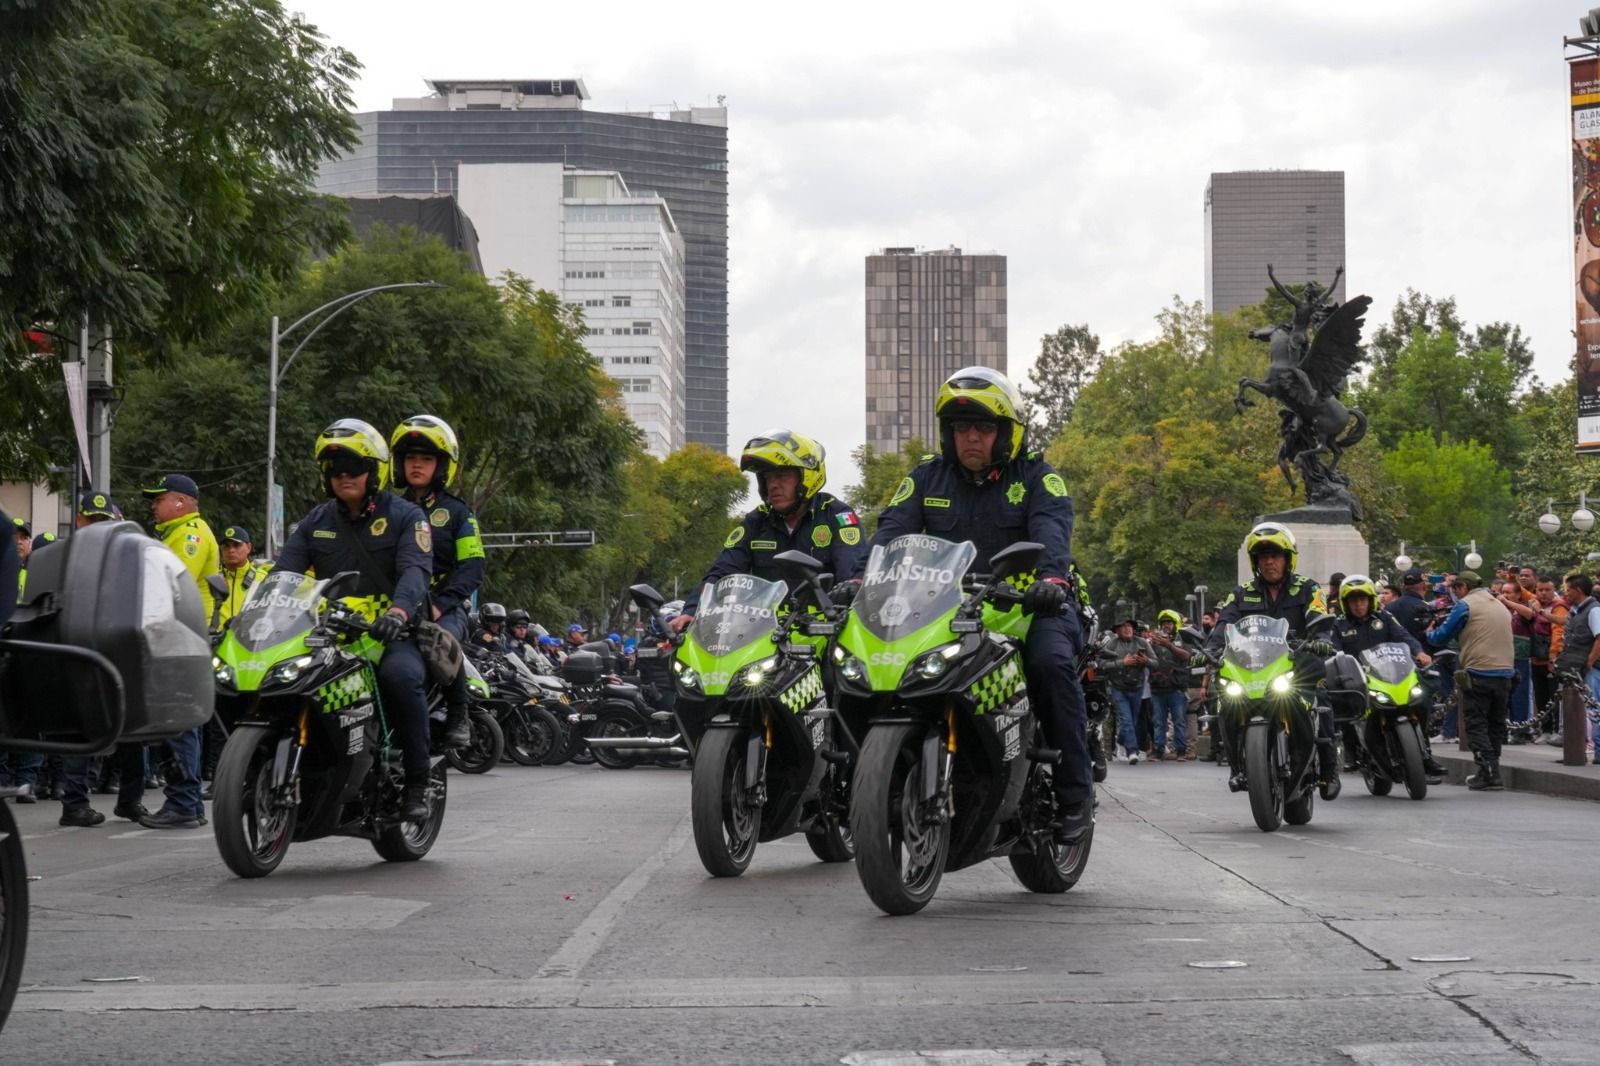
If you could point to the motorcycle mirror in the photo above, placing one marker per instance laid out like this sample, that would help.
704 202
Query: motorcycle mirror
1319 624
826 581
343 580
646 597
1016 559
797 567
218 586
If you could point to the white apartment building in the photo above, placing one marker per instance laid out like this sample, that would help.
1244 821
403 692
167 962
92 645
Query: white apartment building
615 253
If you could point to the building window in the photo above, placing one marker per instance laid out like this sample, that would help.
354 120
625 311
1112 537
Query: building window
622 301
641 329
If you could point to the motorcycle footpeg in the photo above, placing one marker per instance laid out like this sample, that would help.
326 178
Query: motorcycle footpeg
661 716
1045 755
833 755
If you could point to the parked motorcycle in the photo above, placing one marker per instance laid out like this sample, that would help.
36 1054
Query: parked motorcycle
774 759
626 729
1270 721
1384 703
950 773
487 744
521 706
309 753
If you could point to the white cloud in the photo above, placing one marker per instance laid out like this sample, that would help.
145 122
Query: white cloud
1075 139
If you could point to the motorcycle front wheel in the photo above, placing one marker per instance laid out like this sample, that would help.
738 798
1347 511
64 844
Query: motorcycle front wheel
900 853
410 841
726 824
253 830
13 910
1411 755
1262 772
483 751
616 724
531 735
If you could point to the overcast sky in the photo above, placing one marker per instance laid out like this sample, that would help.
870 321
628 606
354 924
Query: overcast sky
1075 139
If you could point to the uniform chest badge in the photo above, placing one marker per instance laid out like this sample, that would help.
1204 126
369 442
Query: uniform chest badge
1015 492
1375 624
379 525
440 517
822 536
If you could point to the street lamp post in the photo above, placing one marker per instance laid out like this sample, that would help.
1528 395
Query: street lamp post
334 307
1582 519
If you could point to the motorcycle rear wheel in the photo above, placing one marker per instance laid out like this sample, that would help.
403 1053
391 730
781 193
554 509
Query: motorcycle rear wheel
252 841
483 751
13 910
410 841
1411 752
531 735
615 724
726 826
899 857
1261 772
1053 868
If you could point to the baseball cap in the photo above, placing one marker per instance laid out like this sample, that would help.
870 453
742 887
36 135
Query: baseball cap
97 504
1412 576
576 627
174 483
1470 578
236 535
42 539
22 527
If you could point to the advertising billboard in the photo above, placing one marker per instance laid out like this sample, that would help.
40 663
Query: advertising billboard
1585 86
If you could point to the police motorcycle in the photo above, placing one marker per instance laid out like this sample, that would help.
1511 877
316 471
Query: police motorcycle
626 729
774 759
108 644
309 752
519 705
1267 715
1385 703
950 772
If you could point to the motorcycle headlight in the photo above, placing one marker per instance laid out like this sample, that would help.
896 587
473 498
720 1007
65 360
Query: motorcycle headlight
287 672
1417 692
1283 684
223 671
1234 689
1381 697
687 677
850 667
933 664
756 673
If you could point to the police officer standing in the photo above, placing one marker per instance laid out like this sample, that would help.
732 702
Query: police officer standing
1276 591
984 486
427 456
388 541
238 571
175 502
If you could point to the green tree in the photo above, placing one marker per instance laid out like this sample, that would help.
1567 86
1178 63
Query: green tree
159 157
880 473
1455 491
1067 362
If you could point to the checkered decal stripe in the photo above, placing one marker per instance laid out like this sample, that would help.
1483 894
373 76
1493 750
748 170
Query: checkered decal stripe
345 692
798 696
997 686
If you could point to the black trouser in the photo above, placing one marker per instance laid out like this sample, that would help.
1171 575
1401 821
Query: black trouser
402 676
127 758
1050 661
1484 707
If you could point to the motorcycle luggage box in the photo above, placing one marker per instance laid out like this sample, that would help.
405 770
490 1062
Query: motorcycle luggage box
582 668
607 654
1346 686
111 589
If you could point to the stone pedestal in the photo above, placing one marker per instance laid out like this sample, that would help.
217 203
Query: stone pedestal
1329 543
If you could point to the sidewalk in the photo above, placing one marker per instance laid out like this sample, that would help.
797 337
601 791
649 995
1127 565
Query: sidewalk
1525 768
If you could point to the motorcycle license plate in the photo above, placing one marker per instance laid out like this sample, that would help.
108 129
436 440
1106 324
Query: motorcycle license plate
648 653
587 717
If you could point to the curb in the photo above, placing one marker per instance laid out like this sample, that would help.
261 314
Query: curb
1570 782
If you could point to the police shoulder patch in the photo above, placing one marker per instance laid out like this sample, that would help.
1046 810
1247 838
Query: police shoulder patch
1054 485
735 535
424 537
903 493
850 535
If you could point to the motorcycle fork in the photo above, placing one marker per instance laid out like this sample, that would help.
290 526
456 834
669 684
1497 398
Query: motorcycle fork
286 760
938 755
755 762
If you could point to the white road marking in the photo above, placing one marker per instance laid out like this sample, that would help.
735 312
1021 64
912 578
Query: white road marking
1032 1056
1429 1053
576 951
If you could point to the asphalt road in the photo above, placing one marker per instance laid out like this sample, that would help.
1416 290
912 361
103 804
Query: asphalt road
564 917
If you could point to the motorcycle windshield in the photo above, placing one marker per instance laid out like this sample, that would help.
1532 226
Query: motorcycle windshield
282 605
735 612
1390 663
1255 642
911 582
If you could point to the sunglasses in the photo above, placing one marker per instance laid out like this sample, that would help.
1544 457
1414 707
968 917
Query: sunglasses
345 466
969 425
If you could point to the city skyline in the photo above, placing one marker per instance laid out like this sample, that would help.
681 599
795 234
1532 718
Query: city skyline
1290 220
1040 131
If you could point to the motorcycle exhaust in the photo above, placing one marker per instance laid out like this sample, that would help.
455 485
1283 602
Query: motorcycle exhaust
672 745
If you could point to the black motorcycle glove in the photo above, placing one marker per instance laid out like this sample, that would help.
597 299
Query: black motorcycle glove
1044 597
1320 648
843 595
388 628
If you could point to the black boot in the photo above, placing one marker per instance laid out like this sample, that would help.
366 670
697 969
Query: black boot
414 803
1328 785
1432 770
457 733
1487 779
1072 821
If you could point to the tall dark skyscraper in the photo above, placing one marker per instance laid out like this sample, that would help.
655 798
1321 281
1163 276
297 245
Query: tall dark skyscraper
1293 219
680 154
928 315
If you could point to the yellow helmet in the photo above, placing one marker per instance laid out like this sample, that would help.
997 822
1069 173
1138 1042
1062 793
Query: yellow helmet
1169 615
429 434
1358 583
981 393
353 436
1270 533
784 449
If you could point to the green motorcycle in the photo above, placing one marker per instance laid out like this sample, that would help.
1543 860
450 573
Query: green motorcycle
1389 709
949 773
1268 722
774 760
309 752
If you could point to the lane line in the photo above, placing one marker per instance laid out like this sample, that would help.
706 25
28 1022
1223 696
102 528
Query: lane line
576 951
